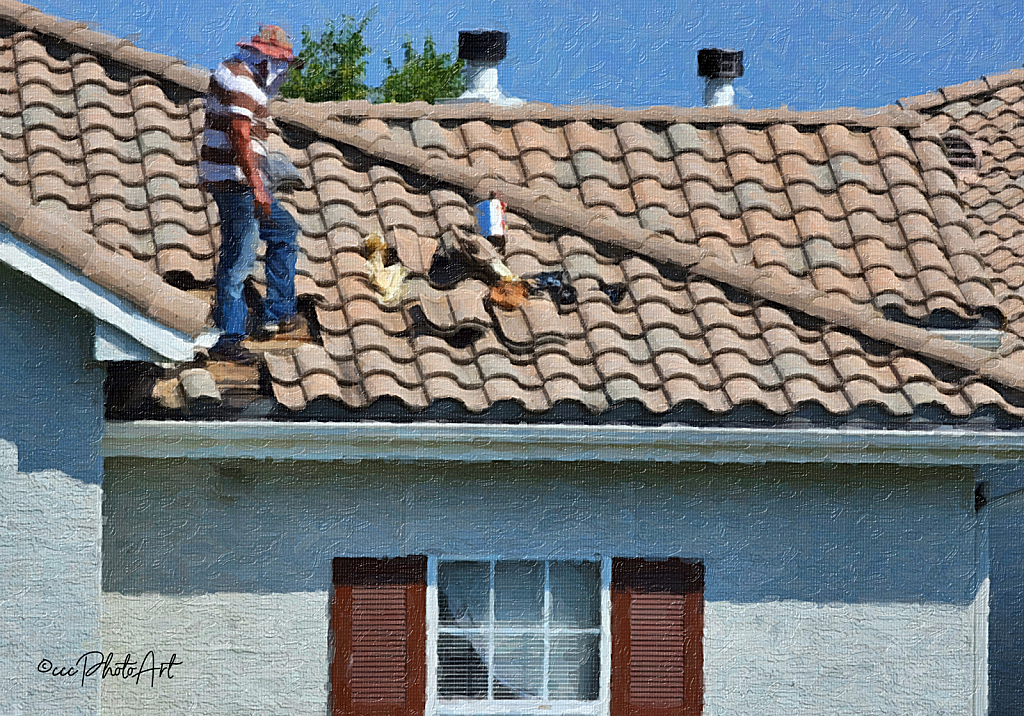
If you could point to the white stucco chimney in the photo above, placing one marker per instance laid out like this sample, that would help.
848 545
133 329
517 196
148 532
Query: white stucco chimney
719 68
483 51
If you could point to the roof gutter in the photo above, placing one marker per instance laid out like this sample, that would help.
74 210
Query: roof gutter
477 442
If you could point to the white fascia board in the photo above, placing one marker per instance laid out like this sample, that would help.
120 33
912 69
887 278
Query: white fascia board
143 331
110 344
472 442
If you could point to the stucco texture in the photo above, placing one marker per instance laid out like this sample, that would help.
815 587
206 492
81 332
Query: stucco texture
828 590
51 391
1006 643
51 413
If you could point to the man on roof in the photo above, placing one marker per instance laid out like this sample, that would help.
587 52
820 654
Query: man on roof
232 169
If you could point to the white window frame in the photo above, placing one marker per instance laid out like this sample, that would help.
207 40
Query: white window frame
538 707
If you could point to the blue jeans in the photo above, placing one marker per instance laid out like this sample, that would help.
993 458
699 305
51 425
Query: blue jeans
239 232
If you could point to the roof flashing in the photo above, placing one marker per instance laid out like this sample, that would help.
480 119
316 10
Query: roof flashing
112 345
989 339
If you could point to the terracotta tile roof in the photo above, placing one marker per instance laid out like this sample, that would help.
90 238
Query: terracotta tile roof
989 114
72 169
822 203
752 252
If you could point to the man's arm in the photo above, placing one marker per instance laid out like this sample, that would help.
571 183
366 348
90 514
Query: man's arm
238 133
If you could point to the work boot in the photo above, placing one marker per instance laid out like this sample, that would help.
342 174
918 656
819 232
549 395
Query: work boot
288 325
233 352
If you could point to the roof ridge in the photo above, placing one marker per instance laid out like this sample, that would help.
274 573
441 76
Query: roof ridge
889 115
961 91
563 210
115 272
178 72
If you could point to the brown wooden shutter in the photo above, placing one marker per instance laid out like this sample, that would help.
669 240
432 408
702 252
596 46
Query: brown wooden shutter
379 637
657 638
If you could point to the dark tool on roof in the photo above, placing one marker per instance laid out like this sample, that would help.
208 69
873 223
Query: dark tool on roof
450 265
458 336
554 283
282 175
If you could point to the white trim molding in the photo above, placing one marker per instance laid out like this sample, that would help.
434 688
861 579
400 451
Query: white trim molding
478 442
143 337
542 705
981 608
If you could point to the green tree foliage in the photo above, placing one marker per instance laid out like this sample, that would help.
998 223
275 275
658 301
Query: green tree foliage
423 76
334 68
334 63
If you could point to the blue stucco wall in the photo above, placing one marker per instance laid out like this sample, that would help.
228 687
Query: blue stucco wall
1006 631
51 421
830 590
51 394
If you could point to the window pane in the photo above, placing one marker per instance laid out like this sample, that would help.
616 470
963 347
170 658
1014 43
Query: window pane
463 593
575 594
461 672
574 667
518 667
519 593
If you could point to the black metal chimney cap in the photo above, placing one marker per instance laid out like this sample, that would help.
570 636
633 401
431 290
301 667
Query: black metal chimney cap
719 64
482 45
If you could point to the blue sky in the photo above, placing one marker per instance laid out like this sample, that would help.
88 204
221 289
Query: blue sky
801 53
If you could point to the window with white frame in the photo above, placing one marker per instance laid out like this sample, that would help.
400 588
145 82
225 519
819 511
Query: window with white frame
442 636
514 636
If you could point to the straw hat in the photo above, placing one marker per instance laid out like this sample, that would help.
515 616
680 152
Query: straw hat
272 42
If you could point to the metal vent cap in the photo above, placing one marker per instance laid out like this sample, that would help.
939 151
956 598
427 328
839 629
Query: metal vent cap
719 64
482 45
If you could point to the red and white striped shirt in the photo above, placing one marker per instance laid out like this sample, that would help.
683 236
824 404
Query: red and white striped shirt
235 91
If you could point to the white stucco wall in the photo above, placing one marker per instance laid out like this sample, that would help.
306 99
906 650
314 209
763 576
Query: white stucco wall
827 592
49 588
51 418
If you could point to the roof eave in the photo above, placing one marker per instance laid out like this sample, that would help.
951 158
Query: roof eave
163 342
